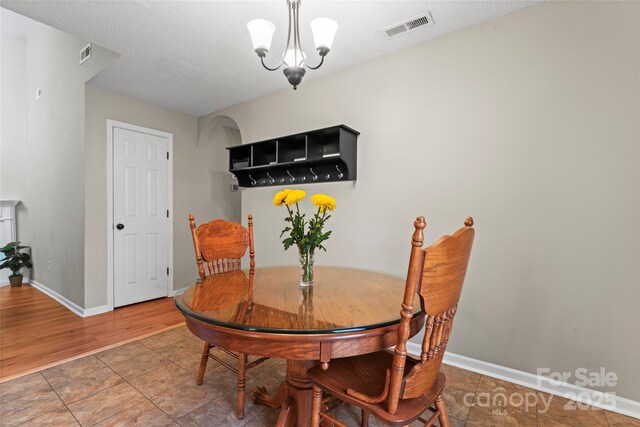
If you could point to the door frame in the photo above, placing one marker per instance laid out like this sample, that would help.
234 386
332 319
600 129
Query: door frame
111 125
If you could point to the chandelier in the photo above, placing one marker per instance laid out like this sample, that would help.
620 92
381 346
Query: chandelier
293 58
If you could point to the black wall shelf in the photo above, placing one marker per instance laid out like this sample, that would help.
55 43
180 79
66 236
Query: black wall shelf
321 155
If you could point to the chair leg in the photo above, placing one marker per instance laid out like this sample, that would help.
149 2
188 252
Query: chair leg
203 363
364 418
316 403
242 363
443 417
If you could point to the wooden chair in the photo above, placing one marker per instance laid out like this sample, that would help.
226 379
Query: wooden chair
394 388
219 246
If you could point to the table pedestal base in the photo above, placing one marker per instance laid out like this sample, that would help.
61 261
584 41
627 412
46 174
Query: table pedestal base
293 397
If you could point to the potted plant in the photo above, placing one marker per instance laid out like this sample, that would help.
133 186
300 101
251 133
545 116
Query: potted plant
15 261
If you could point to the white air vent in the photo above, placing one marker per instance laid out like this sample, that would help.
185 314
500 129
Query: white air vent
408 25
85 53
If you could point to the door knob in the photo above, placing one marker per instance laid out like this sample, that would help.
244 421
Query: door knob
120 226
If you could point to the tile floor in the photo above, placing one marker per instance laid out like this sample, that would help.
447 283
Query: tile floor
151 382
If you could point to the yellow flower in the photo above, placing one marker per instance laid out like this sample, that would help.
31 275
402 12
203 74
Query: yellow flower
294 196
323 202
278 199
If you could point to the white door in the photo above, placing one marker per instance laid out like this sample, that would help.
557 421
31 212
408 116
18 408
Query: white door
140 216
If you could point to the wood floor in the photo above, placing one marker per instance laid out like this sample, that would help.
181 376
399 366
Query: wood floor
36 331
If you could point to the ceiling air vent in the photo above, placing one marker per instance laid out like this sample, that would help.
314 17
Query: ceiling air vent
408 25
85 53
394 31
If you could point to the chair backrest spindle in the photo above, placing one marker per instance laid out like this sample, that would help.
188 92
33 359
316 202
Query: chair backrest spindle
252 252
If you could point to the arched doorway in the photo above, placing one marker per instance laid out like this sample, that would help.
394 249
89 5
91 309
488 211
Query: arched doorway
214 136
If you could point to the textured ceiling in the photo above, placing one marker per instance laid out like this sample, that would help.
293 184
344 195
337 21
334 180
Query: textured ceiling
196 56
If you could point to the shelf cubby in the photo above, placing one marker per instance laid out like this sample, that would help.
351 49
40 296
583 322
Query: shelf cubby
292 149
240 158
264 154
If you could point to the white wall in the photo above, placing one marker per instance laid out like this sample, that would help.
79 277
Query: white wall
200 181
13 115
529 123
50 154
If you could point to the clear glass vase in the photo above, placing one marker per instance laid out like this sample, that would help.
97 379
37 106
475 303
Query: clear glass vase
306 263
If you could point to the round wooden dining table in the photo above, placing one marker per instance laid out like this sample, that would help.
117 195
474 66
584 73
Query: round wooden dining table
265 312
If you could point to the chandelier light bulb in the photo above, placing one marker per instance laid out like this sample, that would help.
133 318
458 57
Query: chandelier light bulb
324 31
290 58
261 32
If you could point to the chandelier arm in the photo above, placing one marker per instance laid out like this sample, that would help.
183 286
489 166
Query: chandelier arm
317 66
285 49
270 69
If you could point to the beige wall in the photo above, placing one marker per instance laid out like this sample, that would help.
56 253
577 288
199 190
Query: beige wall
530 123
198 178
51 156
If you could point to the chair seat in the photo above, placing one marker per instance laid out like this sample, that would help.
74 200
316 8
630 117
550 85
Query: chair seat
366 374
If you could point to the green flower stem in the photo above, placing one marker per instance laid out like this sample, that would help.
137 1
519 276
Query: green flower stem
307 235
306 262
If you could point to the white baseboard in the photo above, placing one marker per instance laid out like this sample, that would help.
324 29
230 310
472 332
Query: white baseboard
620 405
95 310
75 308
